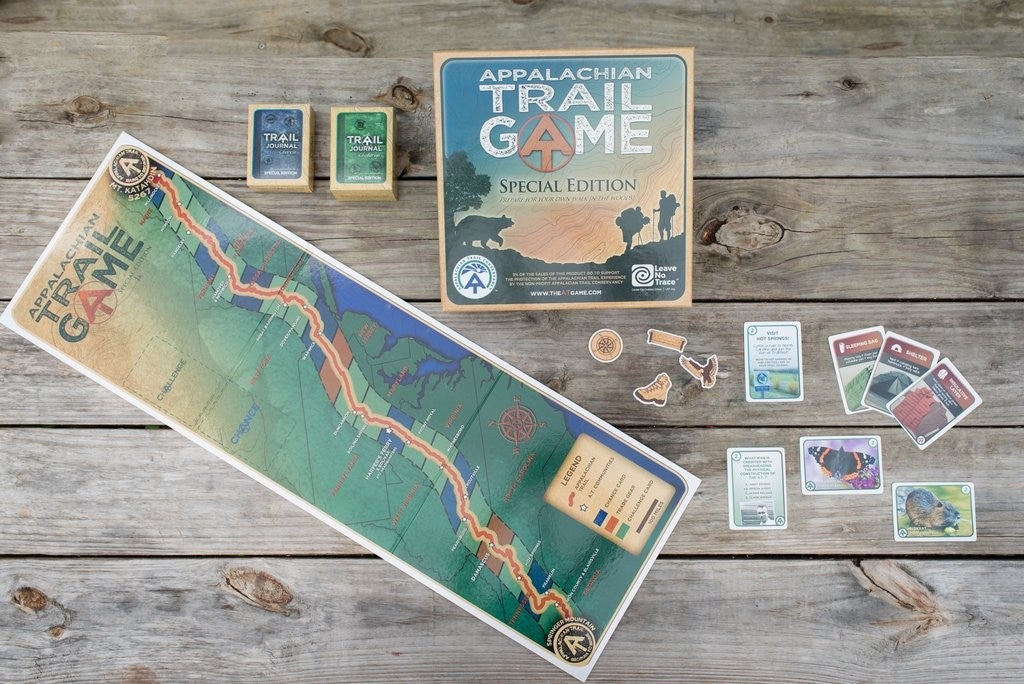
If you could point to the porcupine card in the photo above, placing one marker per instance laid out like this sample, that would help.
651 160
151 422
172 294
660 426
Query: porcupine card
933 511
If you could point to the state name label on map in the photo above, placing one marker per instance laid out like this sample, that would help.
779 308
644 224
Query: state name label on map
609 494
351 404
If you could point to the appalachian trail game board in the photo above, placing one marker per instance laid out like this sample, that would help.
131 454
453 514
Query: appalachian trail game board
507 499
565 178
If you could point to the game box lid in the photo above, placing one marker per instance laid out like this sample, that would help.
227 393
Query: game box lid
565 178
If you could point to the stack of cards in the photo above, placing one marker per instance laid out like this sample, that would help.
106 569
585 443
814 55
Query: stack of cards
902 378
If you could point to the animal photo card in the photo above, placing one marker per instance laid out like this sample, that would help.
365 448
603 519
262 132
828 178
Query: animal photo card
565 179
933 511
841 465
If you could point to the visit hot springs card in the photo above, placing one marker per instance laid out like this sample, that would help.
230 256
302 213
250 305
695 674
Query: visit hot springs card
484 485
565 178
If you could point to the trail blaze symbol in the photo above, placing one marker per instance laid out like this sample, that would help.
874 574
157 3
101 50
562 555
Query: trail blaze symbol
130 166
547 134
517 424
93 300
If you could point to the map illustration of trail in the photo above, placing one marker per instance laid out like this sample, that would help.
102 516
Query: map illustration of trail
487 487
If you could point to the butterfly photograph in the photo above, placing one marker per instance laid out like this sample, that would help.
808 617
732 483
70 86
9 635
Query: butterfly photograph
841 465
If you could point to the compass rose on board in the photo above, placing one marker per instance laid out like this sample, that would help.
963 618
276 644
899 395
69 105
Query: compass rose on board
517 424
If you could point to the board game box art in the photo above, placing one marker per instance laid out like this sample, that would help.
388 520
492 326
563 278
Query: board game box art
486 486
565 178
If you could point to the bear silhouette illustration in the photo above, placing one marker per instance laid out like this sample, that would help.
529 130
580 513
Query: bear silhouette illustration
482 229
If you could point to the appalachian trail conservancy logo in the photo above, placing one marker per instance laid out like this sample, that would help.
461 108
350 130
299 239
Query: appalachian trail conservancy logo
474 276
573 640
131 173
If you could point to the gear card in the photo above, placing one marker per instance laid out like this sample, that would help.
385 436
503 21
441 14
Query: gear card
774 361
900 362
841 465
933 511
757 489
609 494
934 404
853 356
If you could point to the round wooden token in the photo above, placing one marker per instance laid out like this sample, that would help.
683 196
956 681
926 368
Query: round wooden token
605 345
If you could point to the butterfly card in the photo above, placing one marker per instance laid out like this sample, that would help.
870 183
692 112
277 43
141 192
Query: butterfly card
841 465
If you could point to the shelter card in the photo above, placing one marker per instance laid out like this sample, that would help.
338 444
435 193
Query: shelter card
773 361
853 356
900 362
934 404
841 465
933 512
757 488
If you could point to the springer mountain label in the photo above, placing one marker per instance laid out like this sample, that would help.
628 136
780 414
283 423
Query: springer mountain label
566 178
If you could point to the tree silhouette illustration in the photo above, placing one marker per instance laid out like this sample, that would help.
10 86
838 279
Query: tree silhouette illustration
464 188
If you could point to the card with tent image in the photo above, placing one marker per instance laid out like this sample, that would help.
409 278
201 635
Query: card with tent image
901 362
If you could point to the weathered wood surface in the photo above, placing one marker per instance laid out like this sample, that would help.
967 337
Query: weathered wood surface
857 164
152 492
552 348
321 28
755 116
280 619
757 239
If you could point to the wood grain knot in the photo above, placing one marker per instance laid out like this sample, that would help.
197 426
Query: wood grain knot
87 109
891 583
741 229
260 589
849 84
33 601
29 599
348 40
559 381
402 94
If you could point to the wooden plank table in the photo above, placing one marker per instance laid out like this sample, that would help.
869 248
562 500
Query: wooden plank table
856 164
